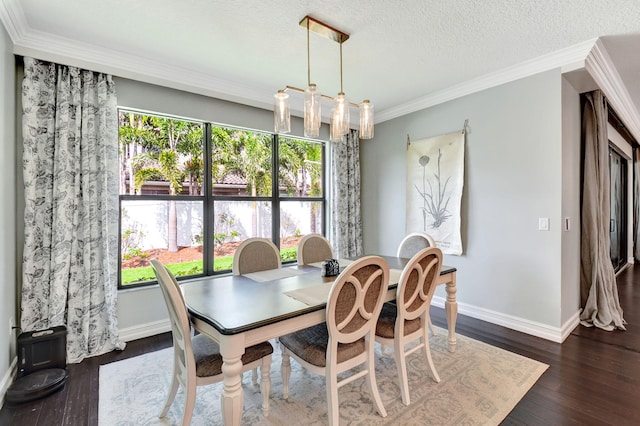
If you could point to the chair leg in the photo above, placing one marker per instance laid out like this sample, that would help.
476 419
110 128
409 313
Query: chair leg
172 394
431 329
189 403
332 399
373 386
401 365
265 384
427 353
285 369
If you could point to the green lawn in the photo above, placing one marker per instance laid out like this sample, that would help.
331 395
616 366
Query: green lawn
146 273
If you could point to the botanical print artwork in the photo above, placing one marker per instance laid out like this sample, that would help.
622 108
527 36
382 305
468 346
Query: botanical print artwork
433 205
435 176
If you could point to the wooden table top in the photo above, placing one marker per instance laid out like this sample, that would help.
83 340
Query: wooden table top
235 304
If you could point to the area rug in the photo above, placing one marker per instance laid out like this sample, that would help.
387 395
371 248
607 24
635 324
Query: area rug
480 384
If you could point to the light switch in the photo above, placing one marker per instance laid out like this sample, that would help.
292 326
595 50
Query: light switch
543 224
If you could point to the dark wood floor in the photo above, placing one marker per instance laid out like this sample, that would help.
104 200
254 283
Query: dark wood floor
593 379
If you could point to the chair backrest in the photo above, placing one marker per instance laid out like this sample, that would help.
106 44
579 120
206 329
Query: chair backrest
417 284
254 255
180 325
413 243
355 300
313 248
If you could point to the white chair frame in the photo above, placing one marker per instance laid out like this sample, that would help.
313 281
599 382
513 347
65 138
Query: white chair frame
338 335
432 243
184 364
412 306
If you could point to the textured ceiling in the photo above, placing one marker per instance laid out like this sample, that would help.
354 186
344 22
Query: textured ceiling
399 51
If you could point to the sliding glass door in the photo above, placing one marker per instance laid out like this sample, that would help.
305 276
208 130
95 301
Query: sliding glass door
618 201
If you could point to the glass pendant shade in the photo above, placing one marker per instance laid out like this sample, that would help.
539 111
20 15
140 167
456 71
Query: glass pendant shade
341 112
366 120
281 113
312 111
335 133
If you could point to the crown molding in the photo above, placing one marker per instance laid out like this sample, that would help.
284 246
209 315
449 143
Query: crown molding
598 64
79 54
590 54
29 42
558 59
13 19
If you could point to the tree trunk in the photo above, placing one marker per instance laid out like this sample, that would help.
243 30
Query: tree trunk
173 227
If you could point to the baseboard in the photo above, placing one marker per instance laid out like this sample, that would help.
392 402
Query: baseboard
533 328
7 380
570 324
144 330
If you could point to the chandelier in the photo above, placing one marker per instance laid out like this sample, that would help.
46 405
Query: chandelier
339 118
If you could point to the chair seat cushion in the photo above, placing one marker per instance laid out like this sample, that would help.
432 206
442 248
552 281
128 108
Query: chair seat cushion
387 322
209 361
311 343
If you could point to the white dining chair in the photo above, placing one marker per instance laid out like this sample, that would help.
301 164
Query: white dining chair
411 244
197 360
313 248
406 321
346 340
255 255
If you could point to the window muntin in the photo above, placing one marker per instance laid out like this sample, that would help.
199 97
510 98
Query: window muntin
177 204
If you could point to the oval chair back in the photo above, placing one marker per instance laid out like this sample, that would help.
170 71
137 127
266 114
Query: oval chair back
313 248
413 243
255 255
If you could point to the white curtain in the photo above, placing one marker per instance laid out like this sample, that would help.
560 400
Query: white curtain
346 229
598 289
70 167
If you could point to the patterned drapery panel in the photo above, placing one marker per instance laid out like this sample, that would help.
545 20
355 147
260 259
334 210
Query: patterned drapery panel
70 167
346 226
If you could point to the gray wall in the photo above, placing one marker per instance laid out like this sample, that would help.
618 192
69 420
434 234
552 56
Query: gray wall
7 212
571 188
510 272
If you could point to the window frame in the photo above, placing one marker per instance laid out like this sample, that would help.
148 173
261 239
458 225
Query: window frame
209 200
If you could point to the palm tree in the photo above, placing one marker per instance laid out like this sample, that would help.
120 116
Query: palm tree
170 150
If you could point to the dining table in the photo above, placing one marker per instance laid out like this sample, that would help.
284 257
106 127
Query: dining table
238 311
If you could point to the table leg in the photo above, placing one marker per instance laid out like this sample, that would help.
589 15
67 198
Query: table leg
451 308
232 399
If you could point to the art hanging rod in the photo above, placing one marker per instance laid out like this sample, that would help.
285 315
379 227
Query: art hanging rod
465 126
297 89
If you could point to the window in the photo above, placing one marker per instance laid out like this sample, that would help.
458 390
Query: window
191 192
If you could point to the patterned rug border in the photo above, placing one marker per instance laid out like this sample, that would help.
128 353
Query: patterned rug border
480 384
